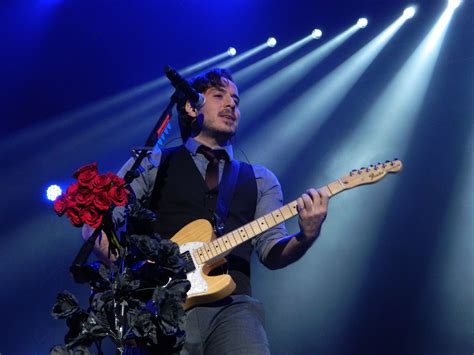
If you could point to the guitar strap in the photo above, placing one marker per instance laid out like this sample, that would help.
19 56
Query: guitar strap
226 192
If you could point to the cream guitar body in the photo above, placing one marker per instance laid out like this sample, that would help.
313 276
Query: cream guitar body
204 288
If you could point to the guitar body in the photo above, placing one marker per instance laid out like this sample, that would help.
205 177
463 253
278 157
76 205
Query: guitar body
204 288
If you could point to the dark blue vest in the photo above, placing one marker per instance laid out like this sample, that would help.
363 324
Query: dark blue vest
181 196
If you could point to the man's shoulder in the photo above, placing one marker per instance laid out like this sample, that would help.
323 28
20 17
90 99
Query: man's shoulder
262 172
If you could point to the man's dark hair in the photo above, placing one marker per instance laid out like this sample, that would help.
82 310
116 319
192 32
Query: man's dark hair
202 82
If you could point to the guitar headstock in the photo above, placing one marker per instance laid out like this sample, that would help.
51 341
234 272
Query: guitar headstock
371 174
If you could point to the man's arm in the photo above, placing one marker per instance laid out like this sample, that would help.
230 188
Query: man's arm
142 187
312 211
275 248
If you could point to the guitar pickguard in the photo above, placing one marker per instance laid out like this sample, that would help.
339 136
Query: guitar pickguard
198 283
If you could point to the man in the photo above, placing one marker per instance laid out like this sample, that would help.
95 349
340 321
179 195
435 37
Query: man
178 192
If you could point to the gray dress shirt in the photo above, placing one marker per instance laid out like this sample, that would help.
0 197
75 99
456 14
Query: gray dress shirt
269 198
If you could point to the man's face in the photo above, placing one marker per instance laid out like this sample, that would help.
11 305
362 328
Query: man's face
221 110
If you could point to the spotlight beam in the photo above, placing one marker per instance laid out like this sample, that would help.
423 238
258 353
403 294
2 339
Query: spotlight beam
36 134
241 57
312 108
246 74
267 92
398 105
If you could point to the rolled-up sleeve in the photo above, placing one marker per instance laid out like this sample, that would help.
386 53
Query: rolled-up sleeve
269 198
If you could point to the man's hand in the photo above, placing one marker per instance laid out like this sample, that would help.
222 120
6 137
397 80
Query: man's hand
312 210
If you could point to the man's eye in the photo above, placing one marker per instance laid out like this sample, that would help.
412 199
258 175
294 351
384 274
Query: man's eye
217 95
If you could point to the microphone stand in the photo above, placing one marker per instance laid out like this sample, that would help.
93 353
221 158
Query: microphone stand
131 174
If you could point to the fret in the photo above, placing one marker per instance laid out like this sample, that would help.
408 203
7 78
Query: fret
262 224
199 255
277 215
293 208
237 237
270 220
196 256
227 243
218 246
249 230
243 233
256 228
205 255
340 186
286 212
231 237
221 244
213 249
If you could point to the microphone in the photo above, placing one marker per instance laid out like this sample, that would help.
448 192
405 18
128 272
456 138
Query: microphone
196 99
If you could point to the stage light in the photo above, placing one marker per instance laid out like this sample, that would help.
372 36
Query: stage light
231 51
316 34
409 12
454 3
362 22
53 192
271 42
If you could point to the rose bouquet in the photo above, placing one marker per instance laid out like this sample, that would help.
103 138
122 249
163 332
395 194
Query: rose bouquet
90 198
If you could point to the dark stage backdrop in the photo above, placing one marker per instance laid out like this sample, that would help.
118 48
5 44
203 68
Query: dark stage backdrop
392 272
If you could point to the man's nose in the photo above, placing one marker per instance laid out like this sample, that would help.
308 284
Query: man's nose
230 102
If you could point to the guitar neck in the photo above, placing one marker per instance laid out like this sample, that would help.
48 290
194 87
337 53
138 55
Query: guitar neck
222 245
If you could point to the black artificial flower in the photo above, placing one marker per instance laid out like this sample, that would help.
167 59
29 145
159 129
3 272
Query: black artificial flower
169 258
94 273
144 247
65 306
141 323
168 302
140 220
62 350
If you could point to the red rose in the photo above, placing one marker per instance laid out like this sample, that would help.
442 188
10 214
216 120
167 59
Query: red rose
118 195
90 216
102 200
85 175
84 197
101 182
70 200
60 205
116 180
74 215
72 189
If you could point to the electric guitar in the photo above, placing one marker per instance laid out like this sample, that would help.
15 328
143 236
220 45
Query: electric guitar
203 252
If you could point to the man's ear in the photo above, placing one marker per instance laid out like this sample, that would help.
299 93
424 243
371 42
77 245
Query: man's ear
191 111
